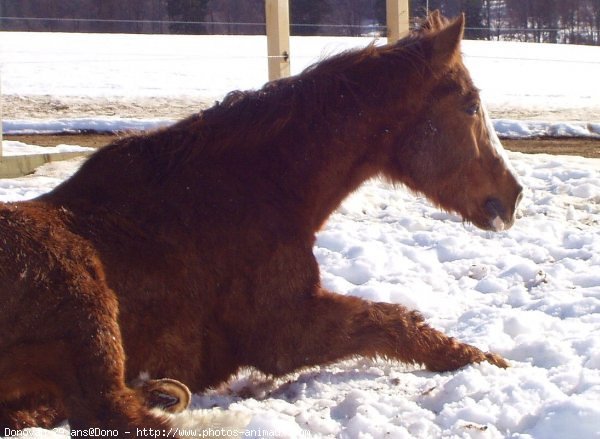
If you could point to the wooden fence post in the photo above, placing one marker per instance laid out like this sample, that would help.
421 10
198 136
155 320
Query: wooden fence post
397 16
278 38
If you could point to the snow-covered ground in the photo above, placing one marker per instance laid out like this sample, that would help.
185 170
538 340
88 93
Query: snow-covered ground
531 293
15 148
553 84
522 75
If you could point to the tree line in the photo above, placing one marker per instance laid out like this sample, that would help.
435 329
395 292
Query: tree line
555 21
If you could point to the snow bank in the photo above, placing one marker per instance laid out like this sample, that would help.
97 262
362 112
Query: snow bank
12 148
513 129
506 128
77 125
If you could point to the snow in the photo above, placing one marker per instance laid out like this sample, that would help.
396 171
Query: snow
530 75
523 75
523 129
15 148
516 76
81 124
531 293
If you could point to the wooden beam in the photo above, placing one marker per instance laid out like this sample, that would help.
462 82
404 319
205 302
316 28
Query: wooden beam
278 38
20 165
397 16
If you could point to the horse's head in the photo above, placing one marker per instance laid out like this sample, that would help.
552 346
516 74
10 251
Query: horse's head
450 152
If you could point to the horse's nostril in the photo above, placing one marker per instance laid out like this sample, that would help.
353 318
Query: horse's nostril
497 214
494 208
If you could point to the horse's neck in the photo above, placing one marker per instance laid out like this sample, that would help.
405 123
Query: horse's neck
309 171
351 142
331 143
344 176
324 169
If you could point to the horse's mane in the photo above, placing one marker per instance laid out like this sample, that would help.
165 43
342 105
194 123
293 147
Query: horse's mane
260 115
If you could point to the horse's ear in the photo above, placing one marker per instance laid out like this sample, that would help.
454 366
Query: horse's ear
434 21
445 43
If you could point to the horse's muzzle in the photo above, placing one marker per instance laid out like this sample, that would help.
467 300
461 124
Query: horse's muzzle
501 216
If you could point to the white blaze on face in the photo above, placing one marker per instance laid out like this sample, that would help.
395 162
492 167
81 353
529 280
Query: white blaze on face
495 141
497 223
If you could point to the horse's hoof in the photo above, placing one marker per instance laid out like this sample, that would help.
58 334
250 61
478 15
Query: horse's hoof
167 394
496 360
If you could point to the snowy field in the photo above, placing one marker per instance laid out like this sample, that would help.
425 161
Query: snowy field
518 75
146 75
531 294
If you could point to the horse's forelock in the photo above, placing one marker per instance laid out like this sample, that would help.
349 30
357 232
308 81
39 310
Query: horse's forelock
434 21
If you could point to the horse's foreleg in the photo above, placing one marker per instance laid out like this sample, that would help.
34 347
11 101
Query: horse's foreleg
93 387
327 327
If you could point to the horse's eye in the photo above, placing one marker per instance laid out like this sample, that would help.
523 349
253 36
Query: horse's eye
472 110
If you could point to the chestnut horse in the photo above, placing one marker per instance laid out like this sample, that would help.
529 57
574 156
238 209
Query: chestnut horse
187 253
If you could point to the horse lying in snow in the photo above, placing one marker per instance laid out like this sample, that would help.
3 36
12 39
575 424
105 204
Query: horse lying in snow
187 253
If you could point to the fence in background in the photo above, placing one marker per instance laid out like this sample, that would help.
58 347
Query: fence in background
277 17
278 31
